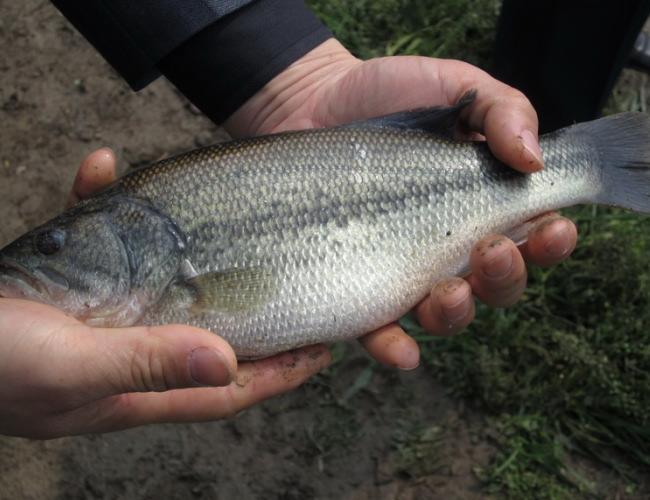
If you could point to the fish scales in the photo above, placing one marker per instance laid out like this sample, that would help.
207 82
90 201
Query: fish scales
313 236
355 225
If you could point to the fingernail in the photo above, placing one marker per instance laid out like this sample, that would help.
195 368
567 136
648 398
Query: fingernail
209 367
500 264
532 151
557 247
410 359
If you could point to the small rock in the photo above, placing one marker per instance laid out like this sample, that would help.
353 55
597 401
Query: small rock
80 85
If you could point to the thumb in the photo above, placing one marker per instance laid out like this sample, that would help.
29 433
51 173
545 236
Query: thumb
144 359
95 173
509 122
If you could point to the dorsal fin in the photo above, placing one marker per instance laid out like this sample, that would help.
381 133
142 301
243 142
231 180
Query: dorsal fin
439 119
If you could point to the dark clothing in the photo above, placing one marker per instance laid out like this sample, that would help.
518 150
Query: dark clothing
219 53
227 63
135 35
566 55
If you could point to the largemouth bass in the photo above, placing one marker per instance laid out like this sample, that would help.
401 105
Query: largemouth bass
312 236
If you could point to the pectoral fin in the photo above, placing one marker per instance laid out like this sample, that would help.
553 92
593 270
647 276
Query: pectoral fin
232 290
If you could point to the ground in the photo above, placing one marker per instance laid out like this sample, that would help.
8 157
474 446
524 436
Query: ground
59 100
357 432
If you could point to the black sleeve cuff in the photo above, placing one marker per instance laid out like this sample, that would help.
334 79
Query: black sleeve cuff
133 36
225 64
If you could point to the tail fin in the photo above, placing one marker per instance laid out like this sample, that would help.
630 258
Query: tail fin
623 142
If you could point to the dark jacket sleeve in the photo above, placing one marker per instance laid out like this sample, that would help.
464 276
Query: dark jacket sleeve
217 52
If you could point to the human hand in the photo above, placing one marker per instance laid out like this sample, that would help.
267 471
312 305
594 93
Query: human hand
328 87
61 377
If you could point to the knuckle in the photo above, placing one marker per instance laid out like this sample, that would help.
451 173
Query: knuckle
149 370
514 282
513 94
228 406
509 96
449 287
510 101
510 295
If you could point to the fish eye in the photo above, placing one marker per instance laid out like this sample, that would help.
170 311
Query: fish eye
50 242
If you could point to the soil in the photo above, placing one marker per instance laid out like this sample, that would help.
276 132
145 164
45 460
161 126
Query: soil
307 444
59 100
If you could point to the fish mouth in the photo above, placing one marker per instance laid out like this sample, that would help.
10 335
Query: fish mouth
18 282
42 284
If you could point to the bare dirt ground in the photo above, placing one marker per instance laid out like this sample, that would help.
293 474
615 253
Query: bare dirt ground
58 101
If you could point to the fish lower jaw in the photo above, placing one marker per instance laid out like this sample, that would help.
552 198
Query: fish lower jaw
11 288
129 313
16 282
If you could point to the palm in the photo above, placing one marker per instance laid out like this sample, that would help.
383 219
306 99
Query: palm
82 379
378 87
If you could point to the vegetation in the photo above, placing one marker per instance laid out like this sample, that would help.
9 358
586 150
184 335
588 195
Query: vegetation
566 371
564 376
463 29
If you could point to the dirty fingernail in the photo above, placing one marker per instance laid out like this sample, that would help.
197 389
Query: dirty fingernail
500 265
209 367
532 151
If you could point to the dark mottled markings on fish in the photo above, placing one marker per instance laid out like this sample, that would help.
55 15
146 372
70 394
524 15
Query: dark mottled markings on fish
327 234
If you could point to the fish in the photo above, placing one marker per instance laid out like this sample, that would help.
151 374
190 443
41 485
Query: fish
302 237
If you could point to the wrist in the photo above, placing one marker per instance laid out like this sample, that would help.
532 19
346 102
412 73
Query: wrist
286 97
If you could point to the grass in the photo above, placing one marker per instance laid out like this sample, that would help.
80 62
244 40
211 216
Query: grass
463 29
566 371
419 451
564 376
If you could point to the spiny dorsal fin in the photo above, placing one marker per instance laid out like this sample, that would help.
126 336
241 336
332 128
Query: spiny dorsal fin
439 120
232 290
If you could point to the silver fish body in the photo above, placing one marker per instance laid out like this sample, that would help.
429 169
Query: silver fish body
313 236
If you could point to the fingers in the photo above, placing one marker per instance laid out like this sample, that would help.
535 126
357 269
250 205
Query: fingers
509 123
498 272
96 172
143 359
550 241
448 309
503 114
392 346
255 382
